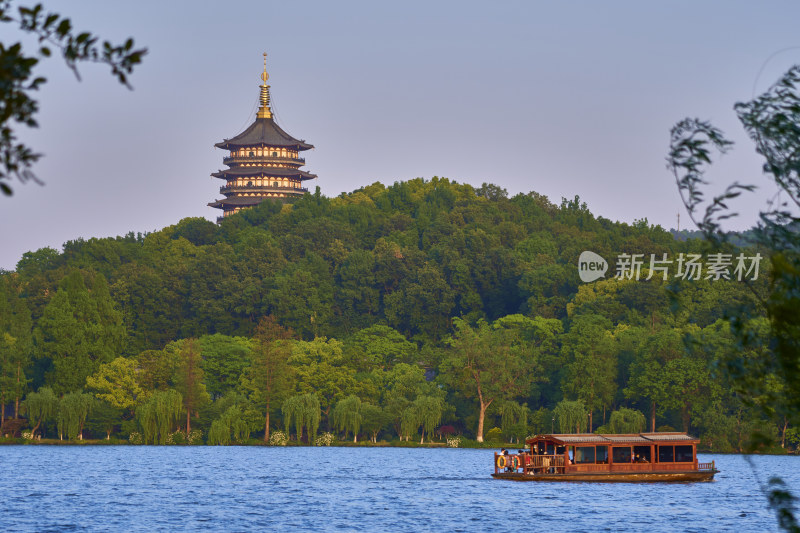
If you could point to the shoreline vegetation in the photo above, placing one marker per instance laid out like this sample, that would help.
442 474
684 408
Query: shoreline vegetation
464 444
392 313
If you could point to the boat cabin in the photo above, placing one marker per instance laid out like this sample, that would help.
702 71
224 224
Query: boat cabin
581 455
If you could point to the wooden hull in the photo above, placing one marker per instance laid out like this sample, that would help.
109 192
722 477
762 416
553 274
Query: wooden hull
612 477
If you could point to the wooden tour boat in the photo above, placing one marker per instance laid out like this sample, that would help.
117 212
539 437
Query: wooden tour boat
591 457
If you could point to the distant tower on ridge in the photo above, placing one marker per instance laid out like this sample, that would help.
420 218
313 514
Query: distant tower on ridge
263 162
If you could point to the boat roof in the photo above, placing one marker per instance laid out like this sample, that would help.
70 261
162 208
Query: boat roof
573 439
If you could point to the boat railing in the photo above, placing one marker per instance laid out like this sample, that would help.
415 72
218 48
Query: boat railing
546 461
544 464
532 464
706 466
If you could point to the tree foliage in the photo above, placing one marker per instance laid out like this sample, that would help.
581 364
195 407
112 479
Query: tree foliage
625 420
304 411
73 408
772 121
347 416
18 79
115 383
419 291
41 406
230 427
79 329
158 415
570 416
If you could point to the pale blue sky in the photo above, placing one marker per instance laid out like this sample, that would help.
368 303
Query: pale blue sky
563 98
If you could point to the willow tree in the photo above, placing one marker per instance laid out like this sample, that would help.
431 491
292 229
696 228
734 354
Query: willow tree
229 427
570 416
40 406
626 420
430 410
347 416
73 408
514 419
159 415
304 410
425 412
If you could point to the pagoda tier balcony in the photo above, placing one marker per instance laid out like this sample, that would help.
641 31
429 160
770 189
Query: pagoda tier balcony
240 189
239 160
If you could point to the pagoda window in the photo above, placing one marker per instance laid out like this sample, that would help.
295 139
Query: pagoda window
252 154
249 183
275 184
274 154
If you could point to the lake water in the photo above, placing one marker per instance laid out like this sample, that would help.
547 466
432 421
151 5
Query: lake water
147 488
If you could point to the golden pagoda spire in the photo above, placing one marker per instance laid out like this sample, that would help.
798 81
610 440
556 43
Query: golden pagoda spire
264 111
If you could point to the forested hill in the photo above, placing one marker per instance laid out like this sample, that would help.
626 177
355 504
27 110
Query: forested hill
410 255
421 263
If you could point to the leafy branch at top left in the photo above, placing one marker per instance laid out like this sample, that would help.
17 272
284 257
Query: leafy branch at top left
18 81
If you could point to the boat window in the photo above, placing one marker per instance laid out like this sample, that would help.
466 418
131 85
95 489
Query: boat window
621 455
665 454
584 454
602 455
641 454
683 454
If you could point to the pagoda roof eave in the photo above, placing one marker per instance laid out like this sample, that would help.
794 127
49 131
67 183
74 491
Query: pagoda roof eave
240 201
264 132
279 172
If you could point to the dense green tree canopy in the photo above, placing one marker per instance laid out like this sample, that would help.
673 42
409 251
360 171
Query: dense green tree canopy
430 302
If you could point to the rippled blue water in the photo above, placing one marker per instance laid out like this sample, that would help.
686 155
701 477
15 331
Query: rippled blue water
145 488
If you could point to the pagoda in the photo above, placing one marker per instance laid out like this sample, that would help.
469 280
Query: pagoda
263 162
